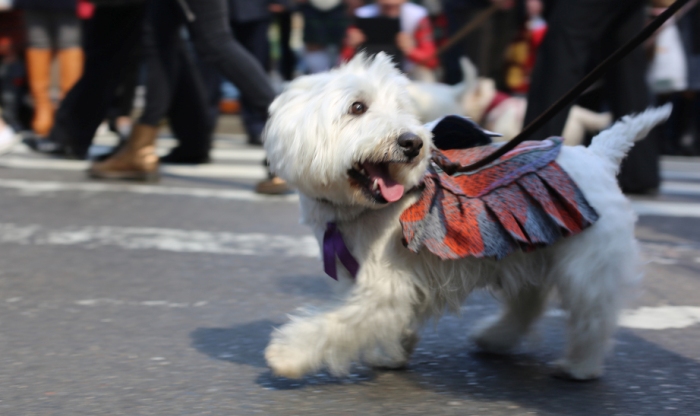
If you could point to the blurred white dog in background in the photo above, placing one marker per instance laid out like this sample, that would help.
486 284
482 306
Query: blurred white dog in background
477 98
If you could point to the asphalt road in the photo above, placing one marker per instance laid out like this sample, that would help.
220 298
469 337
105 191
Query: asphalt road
159 299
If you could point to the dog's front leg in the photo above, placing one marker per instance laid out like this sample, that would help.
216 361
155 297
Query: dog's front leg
375 316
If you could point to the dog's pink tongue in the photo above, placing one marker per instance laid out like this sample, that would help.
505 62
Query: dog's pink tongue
391 190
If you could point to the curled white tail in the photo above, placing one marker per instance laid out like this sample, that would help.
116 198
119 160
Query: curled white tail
614 143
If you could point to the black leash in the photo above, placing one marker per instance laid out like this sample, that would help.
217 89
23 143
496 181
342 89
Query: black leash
579 88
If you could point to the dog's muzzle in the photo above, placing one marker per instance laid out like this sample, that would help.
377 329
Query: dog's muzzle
410 144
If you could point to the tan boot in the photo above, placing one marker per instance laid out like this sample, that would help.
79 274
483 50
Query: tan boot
70 63
137 160
39 71
272 186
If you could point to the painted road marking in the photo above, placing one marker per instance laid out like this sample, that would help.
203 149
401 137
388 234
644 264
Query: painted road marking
44 187
165 239
666 208
650 317
661 317
256 244
641 207
680 188
191 241
646 317
255 171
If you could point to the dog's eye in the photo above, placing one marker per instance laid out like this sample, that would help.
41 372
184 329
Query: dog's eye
358 108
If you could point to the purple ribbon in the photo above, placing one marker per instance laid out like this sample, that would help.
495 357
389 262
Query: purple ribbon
333 245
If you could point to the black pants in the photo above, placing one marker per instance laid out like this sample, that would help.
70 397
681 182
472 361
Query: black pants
484 47
175 86
581 33
170 67
110 36
253 36
287 62
216 45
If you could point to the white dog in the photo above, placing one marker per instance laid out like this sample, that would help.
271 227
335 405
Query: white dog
350 144
477 98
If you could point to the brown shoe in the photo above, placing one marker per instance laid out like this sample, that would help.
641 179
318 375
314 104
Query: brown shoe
137 160
272 186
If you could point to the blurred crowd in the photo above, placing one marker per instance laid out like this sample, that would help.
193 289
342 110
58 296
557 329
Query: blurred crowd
69 66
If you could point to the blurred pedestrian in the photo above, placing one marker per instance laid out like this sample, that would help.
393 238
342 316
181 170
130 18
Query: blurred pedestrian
250 22
325 22
176 89
414 40
110 37
282 17
675 77
13 86
52 25
486 45
521 53
577 31
690 33
208 25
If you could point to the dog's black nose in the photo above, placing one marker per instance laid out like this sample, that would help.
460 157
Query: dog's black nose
410 144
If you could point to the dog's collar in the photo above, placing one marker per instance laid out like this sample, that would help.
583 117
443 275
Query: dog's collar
334 246
497 100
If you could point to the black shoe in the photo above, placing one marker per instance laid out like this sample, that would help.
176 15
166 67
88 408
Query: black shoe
255 140
43 145
177 156
50 147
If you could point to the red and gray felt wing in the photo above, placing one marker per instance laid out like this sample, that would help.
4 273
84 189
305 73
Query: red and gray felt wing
522 201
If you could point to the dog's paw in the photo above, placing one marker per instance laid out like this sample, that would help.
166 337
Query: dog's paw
286 361
495 336
563 369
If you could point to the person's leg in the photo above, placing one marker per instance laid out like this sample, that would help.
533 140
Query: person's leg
70 53
287 62
39 56
575 28
253 36
673 128
194 110
162 43
469 46
137 158
627 92
503 30
112 34
215 44
695 125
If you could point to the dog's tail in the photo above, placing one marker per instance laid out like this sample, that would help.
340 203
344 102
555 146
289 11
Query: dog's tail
614 143
470 76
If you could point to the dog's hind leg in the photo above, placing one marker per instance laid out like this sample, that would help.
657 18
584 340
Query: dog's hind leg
501 333
592 289
376 314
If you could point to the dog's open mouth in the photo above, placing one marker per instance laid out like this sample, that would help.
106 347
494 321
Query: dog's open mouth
375 180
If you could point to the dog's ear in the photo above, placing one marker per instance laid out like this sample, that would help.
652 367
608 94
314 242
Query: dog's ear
456 132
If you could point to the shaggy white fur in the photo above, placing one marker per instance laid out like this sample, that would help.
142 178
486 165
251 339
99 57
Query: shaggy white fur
328 131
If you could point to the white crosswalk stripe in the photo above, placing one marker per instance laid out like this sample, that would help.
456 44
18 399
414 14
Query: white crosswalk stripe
235 161
231 160
164 239
48 187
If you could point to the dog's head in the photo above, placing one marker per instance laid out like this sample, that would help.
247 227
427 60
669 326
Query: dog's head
348 136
